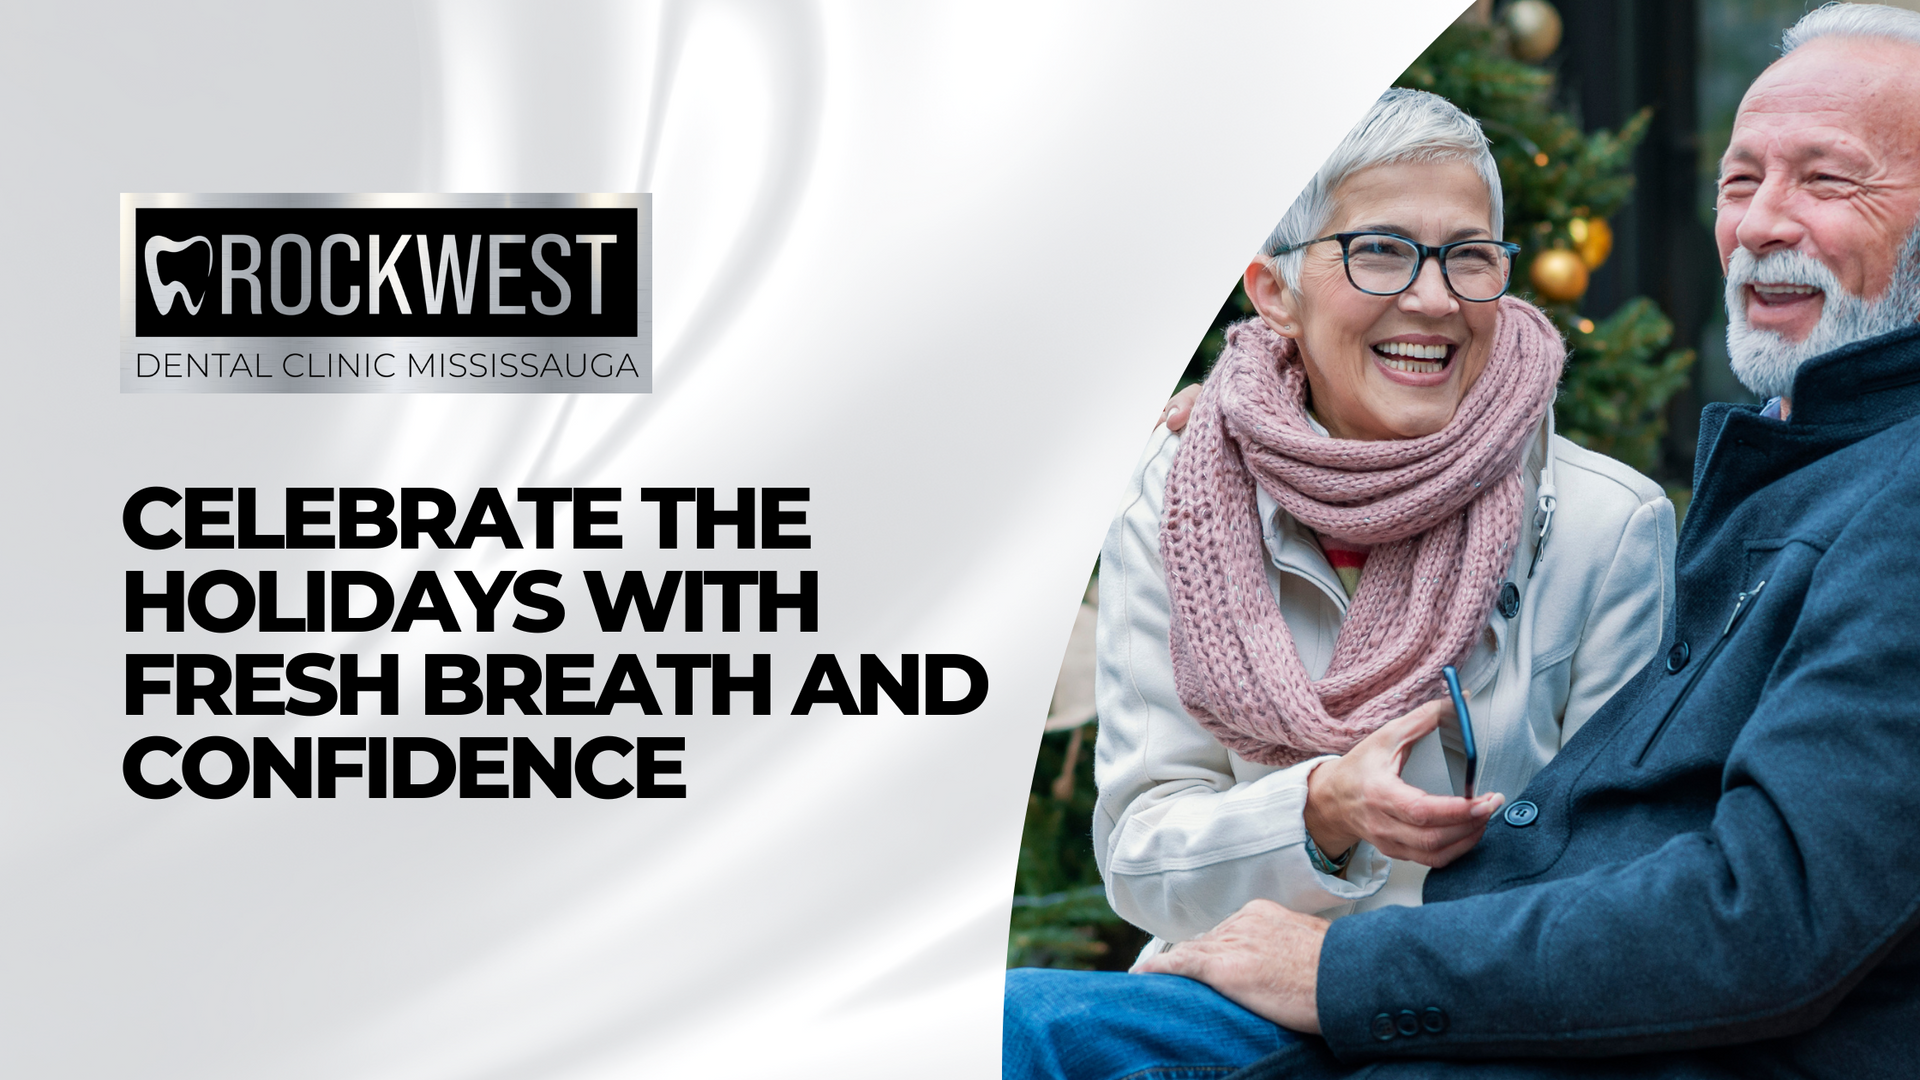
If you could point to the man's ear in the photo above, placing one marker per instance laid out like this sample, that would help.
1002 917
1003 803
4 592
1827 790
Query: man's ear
1271 298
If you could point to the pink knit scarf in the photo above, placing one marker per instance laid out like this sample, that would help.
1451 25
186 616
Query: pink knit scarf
1442 512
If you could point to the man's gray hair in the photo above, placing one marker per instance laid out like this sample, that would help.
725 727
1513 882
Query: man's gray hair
1404 125
1853 20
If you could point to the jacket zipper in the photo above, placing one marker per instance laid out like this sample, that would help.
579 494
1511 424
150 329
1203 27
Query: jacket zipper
1741 605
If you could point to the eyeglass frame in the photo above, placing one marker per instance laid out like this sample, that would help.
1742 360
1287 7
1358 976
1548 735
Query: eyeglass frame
1422 252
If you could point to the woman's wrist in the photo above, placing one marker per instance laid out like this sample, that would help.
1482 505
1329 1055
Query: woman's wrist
1330 867
1321 814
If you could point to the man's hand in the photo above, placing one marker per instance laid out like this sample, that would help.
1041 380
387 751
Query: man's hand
1179 409
1264 958
1360 796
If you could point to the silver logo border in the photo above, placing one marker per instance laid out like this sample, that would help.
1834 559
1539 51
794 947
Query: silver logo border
640 345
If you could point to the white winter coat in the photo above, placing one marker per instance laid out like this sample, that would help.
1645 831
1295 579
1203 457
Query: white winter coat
1185 831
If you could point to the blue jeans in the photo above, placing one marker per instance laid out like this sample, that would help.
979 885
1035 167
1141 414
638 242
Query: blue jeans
1107 1025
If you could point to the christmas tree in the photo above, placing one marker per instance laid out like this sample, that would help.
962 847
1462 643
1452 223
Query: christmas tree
1561 184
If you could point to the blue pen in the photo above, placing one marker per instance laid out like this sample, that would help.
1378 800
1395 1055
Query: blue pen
1466 723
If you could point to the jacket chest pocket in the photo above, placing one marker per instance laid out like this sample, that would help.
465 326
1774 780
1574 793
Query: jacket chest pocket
1724 674
1681 657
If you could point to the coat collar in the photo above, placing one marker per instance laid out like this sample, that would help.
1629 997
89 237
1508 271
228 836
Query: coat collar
1839 398
1873 383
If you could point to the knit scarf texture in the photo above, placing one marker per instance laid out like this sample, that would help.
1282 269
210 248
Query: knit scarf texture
1442 513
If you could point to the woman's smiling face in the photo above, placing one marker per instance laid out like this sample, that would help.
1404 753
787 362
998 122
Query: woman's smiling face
1388 367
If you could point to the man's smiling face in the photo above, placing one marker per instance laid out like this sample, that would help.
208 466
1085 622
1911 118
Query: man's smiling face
1824 161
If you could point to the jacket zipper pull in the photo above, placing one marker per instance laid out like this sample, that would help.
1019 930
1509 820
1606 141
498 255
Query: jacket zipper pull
1544 515
1740 605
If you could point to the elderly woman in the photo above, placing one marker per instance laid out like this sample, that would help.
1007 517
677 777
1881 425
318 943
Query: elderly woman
1369 488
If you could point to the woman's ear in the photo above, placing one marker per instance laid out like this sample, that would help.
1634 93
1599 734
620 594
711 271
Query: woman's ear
1271 298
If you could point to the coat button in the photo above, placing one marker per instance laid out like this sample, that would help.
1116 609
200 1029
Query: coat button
1522 814
1382 1027
1677 657
1509 599
1407 1023
1434 1019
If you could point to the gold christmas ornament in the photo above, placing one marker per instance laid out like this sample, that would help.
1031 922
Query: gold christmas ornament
1592 239
1535 27
1559 275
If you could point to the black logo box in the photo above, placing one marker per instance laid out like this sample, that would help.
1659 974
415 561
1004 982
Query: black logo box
194 321
491 271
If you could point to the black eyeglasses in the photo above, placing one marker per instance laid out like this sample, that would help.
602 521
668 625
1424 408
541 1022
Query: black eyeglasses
1387 264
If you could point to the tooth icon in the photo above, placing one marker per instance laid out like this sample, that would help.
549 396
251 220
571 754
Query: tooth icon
163 293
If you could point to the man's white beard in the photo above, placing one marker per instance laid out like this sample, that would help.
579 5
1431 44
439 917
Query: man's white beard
1764 361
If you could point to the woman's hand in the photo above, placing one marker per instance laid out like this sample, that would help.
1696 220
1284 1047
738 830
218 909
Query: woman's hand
1360 796
1179 409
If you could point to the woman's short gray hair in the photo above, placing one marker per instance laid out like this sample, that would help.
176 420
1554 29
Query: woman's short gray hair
1852 20
1404 125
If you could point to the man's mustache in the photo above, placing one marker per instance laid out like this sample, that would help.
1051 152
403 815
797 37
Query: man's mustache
1744 268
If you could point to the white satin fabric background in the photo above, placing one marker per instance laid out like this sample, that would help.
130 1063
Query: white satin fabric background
938 262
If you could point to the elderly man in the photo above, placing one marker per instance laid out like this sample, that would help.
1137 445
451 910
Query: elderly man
1713 878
